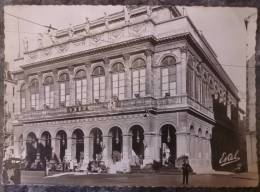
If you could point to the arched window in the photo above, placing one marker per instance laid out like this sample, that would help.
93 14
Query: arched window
138 73
64 89
34 91
48 91
169 76
99 84
81 87
118 80
22 97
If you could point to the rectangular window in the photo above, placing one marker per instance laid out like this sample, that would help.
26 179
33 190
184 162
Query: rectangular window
62 93
49 96
99 88
13 107
139 82
118 83
13 91
23 103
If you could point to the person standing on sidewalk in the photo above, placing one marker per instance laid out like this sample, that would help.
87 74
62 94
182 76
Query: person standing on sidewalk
186 168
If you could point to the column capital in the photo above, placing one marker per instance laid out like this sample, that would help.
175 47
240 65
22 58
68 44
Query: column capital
148 52
183 49
88 64
105 60
39 74
71 69
55 73
126 56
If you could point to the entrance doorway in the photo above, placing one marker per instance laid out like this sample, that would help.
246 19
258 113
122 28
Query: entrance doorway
115 143
168 145
137 133
45 146
96 143
78 145
31 148
61 144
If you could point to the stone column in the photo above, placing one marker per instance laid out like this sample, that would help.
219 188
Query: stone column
41 91
72 86
86 150
56 90
157 146
148 153
128 82
192 145
69 147
105 151
182 143
89 83
149 75
107 80
126 156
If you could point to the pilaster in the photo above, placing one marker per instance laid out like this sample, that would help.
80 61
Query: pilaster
128 82
89 82
27 94
41 90
56 103
149 75
182 143
183 89
107 79
72 85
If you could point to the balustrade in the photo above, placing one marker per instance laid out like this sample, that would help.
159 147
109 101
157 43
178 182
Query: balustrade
128 104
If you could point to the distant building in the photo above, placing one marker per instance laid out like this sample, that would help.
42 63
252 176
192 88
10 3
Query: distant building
9 108
142 83
251 116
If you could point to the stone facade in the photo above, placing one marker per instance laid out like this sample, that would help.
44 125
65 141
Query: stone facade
142 80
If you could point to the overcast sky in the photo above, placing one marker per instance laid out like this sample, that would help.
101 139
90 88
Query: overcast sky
224 29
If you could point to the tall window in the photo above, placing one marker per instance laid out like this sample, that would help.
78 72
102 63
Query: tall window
169 76
138 73
118 80
64 89
99 84
22 97
49 91
81 87
34 90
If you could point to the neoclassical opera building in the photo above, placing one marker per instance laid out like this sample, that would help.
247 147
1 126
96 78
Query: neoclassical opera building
136 83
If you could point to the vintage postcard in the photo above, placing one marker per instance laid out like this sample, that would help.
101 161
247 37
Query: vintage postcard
130 96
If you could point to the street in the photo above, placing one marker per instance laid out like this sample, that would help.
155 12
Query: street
141 179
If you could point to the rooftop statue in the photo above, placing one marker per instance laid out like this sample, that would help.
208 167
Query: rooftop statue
127 16
71 31
106 20
87 25
26 44
40 40
149 11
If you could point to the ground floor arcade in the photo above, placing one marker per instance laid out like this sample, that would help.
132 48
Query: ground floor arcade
130 139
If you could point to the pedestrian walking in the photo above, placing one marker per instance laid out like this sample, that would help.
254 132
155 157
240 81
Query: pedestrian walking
186 168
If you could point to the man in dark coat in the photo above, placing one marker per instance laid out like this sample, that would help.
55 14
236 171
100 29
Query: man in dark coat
186 168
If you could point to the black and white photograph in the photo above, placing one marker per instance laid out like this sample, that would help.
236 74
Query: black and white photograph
131 95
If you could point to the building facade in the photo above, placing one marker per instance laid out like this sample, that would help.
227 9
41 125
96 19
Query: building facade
9 100
137 83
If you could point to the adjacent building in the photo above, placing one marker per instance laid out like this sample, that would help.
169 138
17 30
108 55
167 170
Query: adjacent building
9 110
134 85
